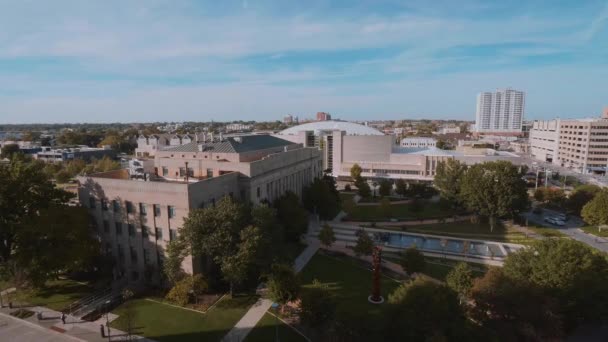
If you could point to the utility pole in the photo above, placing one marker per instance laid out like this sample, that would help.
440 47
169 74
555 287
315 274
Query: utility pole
547 176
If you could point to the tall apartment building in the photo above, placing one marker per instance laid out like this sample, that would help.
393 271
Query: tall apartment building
500 112
580 144
322 116
288 119
137 216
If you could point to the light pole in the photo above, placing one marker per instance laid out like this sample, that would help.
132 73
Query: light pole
108 319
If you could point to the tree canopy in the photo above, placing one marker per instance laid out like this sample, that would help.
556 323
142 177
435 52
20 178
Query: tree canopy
595 212
448 175
327 236
412 261
460 279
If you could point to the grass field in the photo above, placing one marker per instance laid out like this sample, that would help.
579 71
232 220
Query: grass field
468 230
166 323
404 211
439 268
270 328
594 231
350 284
56 295
547 232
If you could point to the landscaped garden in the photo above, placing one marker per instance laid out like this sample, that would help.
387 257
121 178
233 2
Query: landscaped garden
438 268
421 209
167 323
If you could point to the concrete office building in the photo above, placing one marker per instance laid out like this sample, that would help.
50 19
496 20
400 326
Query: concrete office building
322 116
85 153
580 144
139 210
344 144
418 142
500 112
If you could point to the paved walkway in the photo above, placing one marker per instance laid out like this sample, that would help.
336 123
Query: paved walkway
242 328
50 327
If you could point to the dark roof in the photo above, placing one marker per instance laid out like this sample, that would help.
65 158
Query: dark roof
235 144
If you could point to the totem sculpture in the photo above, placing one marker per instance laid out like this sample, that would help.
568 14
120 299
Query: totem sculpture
376 268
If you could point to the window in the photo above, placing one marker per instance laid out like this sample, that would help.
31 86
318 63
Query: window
165 171
131 230
145 231
104 204
130 208
142 209
92 202
146 257
258 192
159 233
171 211
172 234
157 210
116 206
134 275
182 172
106 226
118 228
209 173
133 254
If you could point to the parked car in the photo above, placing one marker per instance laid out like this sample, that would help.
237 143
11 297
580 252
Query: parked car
562 217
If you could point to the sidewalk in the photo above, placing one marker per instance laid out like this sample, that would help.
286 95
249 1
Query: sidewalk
242 328
51 328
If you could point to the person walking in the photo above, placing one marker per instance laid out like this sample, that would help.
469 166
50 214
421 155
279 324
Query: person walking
63 318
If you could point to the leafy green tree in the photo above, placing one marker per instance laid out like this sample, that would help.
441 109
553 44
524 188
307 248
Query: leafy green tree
59 238
327 236
364 190
581 196
385 207
515 310
236 266
423 310
25 193
318 305
570 272
412 261
355 172
292 216
322 198
9 150
494 189
460 279
62 177
272 247
448 176
364 245
420 190
385 187
172 266
283 284
595 212
401 187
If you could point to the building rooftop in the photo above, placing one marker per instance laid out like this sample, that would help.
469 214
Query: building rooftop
349 127
238 144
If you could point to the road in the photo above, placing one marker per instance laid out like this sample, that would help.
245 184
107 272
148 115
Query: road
571 229
601 181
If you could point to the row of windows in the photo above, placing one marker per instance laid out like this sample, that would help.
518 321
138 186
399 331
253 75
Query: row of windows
143 211
145 231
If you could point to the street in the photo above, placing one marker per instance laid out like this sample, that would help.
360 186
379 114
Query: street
601 181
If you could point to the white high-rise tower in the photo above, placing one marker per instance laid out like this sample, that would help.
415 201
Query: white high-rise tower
500 112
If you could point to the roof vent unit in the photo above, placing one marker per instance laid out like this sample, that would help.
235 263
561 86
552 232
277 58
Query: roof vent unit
238 139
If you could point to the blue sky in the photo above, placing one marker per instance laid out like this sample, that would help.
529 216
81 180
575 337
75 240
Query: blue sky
103 61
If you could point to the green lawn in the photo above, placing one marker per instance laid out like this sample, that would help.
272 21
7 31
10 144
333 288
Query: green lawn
439 268
166 323
349 283
594 231
547 232
270 329
56 295
396 211
466 229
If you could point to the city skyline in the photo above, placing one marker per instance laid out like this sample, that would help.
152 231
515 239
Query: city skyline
160 61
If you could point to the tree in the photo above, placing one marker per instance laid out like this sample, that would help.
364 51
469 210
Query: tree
172 266
460 279
581 196
401 187
448 176
347 188
595 212
423 310
187 287
567 270
412 261
321 197
235 266
420 190
292 216
364 190
327 236
385 207
283 284
494 189
355 172
385 187
9 150
318 306
515 310
364 245
55 240
62 177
